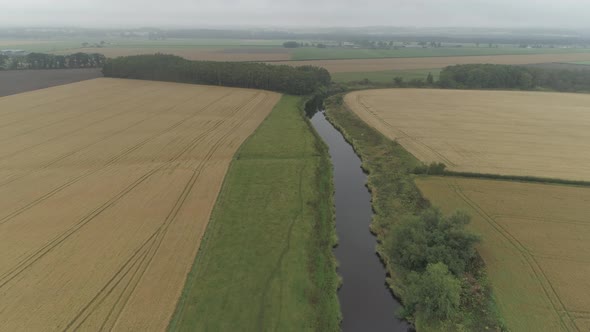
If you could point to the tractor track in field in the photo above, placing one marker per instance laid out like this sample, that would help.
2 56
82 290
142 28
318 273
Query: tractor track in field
403 135
82 148
549 290
111 161
155 240
56 241
173 167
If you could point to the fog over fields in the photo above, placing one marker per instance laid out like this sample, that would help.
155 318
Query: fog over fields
298 13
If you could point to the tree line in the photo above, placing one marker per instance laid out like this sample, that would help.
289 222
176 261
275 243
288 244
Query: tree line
51 61
489 76
302 80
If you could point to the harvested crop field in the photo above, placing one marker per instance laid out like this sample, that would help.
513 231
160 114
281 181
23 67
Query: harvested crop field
17 81
197 53
373 65
496 132
536 245
106 187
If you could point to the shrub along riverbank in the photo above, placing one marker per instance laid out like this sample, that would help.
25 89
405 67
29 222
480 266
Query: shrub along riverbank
431 259
266 260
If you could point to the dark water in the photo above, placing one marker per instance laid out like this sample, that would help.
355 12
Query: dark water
365 301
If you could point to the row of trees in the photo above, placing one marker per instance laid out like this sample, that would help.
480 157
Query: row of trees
488 76
160 67
52 61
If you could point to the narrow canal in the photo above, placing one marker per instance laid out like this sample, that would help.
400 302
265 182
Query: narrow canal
365 301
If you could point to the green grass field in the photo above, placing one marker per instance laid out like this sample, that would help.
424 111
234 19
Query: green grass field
385 76
266 261
313 53
582 63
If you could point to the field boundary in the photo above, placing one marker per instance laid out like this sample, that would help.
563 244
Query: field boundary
517 178
206 235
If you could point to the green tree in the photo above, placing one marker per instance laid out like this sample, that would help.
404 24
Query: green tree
431 238
291 44
301 80
3 61
433 296
430 78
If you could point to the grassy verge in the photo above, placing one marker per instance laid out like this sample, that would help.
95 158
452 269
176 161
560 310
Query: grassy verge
386 76
395 197
266 261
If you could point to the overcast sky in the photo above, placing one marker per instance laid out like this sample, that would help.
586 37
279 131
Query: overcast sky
198 13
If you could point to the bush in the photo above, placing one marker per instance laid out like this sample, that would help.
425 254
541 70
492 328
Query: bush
291 44
431 238
433 295
432 169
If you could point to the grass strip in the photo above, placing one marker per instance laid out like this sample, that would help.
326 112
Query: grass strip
266 261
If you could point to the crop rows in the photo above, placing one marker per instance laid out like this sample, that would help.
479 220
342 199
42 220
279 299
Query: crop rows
104 202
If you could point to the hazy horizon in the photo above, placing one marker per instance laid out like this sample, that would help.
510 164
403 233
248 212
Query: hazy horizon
569 14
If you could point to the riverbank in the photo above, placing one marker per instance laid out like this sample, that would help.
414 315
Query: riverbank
266 261
395 197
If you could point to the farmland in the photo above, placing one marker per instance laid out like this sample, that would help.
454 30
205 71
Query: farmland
386 76
374 65
314 53
535 245
497 132
106 189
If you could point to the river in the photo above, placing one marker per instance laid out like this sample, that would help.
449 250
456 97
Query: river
365 301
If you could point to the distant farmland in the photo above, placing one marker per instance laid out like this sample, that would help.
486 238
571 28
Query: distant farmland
374 65
106 187
237 53
535 245
498 132
314 53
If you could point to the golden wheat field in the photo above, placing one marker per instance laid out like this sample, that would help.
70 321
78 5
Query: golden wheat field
369 65
499 132
106 187
535 242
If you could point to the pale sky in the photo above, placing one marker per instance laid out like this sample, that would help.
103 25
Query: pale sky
297 13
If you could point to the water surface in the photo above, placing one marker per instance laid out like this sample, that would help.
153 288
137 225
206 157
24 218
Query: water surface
365 301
